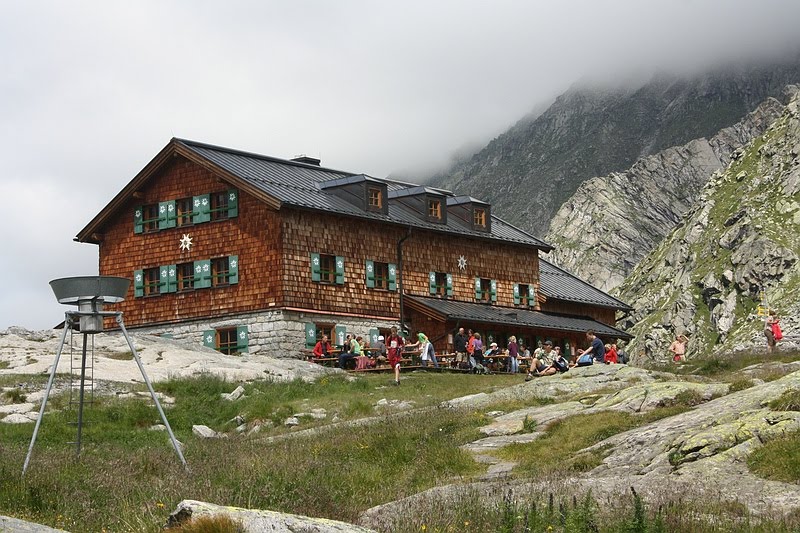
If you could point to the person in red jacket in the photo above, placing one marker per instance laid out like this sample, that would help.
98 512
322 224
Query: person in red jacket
394 347
322 348
611 355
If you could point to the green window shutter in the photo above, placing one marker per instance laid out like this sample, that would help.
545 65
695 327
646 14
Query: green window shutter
340 332
373 336
233 269
493 290
201 209
449 284
163 279
369 269
172 278
242 339
138 219
138 283
315 276
166 215
233 203
202 274
311 334
392 277
517 297
531 296
339 270
432 282
210 338
478 292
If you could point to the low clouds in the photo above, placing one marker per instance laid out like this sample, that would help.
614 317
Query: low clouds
90 91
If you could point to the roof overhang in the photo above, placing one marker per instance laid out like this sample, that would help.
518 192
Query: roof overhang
449 310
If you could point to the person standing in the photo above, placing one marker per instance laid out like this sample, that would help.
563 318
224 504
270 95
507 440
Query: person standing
395 352
460 346
426 351
513 351
678 349
769 330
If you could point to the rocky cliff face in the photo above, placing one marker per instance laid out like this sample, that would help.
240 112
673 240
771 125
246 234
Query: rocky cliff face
529 171
742 237
613 221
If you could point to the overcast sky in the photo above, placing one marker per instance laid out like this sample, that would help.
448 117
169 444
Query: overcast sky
91 91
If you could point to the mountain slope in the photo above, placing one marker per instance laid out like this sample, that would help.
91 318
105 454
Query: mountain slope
529 171
612 222
741 238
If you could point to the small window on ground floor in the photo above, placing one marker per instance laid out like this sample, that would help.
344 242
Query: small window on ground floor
232 340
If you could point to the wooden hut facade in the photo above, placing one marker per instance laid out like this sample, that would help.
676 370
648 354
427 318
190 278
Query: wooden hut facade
249 253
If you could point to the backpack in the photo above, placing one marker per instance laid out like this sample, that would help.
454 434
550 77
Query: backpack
561 364
777 334
585 360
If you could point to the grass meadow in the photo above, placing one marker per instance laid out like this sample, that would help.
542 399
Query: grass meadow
128 478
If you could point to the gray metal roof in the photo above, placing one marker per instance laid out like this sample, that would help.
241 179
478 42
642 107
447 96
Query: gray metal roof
509 316
356 178
413 191
559 284
458 200
296 184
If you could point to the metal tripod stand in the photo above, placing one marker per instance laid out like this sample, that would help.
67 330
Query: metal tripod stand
90 315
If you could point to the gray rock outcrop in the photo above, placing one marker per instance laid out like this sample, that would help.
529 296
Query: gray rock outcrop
261 521
738 244
612 222
529 171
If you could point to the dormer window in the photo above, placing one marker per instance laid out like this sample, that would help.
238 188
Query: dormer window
479 218
374 198
435 209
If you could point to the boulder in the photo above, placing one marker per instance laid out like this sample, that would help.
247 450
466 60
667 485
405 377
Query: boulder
234 395
260 521
205 432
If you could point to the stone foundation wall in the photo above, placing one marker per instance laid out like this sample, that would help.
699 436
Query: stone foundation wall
276 333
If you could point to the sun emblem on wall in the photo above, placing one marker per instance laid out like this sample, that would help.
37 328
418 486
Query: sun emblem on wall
462 263
186 243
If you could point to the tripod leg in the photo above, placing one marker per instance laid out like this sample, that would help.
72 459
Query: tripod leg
80 397
152 392
47 391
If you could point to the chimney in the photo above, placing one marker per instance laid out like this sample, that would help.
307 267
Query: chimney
307 160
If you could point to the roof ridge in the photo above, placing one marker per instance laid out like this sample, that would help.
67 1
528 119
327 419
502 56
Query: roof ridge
190 143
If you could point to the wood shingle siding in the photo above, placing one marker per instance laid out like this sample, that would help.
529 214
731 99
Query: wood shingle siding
255 238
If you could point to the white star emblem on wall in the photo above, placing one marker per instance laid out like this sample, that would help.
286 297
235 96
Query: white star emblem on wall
462 263
186 243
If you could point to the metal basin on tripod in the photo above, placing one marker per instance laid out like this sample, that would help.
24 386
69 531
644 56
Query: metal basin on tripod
89 293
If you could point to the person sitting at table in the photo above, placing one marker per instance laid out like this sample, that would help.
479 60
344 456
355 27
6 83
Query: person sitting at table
353 348
489 356
322 348
364 360
380 351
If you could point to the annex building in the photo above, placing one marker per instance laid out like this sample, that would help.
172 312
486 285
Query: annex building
250 253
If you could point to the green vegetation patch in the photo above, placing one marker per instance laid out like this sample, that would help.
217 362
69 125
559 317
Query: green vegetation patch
788 401
778 459
559 449
128 478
